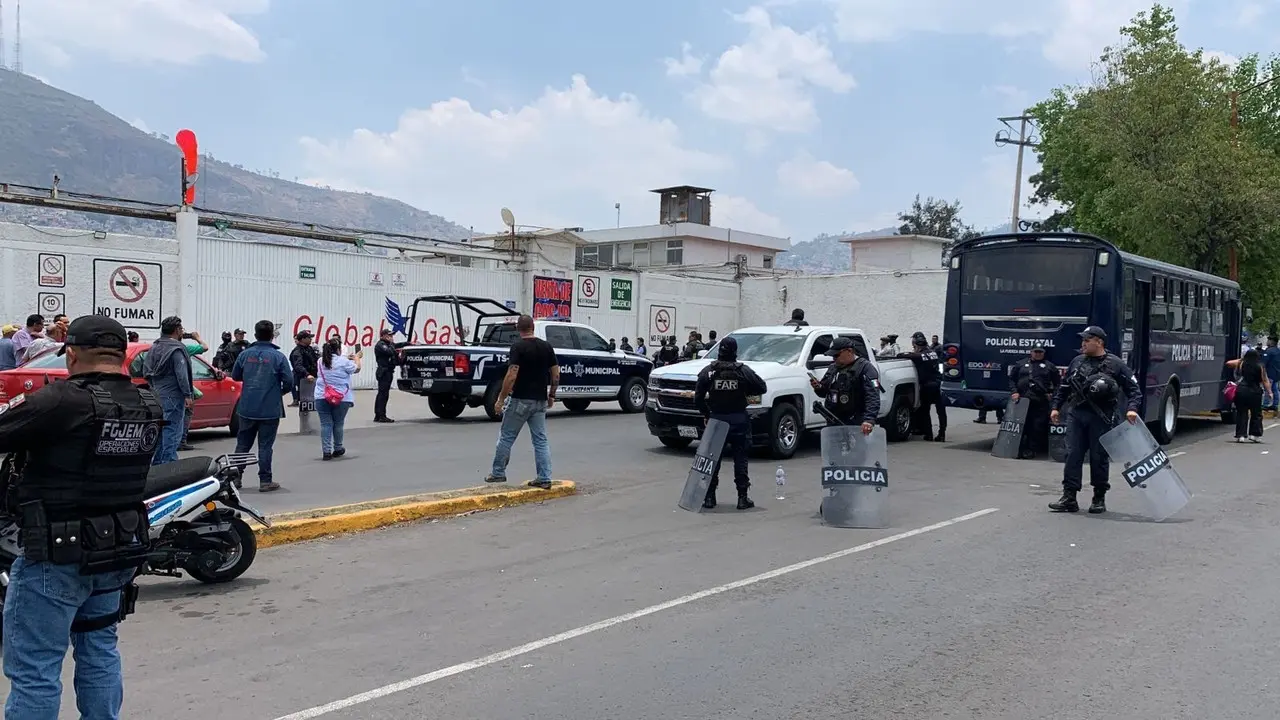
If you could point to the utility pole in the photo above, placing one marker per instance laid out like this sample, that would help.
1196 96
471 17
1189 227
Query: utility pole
1024 141
618 208
17 41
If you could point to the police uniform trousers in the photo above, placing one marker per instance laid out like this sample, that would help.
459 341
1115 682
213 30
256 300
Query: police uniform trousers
930 398
1035 434
1084 428
739 443
384 377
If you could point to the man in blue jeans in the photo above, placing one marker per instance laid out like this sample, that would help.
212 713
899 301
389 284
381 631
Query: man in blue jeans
167 369
87 445
533 374
267 378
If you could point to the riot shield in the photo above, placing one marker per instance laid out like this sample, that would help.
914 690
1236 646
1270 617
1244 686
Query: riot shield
855 477
308 423
1009 439
1147 469
1058 440
704 465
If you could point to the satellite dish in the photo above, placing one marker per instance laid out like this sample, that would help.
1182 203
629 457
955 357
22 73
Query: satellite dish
508 219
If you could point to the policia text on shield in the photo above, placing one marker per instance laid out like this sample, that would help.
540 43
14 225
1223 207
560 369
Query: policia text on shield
1091 391
76 480
722 393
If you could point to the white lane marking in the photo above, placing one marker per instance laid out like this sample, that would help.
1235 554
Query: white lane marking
618 620
1180 452
1272 425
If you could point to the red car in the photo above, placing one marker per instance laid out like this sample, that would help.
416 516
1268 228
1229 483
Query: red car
215 409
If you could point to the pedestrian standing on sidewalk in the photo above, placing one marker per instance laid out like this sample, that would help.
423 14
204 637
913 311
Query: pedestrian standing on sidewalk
304 359
167 369
267 378
334 396
195 346
384 353
533 374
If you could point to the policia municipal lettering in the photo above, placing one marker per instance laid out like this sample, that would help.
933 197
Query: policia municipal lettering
81 450
849 387
722 393
1091 391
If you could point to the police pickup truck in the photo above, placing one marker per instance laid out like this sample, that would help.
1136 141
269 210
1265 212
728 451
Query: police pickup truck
785 357
455 378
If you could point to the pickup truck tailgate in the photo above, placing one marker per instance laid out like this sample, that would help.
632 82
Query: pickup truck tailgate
435 371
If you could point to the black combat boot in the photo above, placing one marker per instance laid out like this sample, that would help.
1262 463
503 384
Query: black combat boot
1099 504
941 436
709 502
1066 503
744 502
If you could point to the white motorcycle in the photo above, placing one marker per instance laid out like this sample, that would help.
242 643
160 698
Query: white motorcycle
194 511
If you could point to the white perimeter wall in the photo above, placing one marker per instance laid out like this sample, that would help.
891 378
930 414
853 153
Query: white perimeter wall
53 270
686 304
877 303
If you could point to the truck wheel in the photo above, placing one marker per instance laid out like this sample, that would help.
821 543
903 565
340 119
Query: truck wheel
897 424
784 431
576 405
446 407
676 443
633 396
491 402
1166 423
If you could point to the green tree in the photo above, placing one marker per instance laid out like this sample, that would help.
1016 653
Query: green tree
936 218
1146 157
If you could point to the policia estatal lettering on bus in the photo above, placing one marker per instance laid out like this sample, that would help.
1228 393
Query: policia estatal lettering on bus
80 454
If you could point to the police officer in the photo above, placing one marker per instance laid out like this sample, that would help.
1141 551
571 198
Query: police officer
1091 389
849 387
82 449
721 394
668 353
1036 379
926 364
384 353
797 319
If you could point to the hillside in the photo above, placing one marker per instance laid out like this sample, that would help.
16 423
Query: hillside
826 254
48 131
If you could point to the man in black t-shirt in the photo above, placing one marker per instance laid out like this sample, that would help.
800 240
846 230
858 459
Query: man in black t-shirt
528 391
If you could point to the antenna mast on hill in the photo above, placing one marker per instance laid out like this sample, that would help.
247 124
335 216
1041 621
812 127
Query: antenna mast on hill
17 40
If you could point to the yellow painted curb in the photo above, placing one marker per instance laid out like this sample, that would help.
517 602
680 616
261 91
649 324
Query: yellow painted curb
332 521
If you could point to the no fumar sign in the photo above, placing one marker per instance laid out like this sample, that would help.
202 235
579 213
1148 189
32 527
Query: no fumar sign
127 291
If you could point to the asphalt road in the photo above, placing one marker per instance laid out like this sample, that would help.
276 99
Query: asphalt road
977 603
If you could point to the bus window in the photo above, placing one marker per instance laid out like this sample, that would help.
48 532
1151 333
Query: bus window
1158 293
1159 317
1129 290
1029 269
1216 314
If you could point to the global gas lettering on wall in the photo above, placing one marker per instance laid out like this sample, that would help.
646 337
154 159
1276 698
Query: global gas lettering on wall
429 331
552 298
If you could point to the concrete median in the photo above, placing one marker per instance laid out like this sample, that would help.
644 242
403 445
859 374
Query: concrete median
342 519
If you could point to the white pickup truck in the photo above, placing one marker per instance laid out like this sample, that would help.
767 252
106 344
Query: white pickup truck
785 357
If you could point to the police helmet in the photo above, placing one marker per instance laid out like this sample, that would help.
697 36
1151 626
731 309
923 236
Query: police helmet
1102 388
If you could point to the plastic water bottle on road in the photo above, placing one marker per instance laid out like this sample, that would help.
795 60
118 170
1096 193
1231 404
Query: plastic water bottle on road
781 477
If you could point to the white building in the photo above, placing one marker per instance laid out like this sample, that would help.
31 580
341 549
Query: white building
683 236
876 253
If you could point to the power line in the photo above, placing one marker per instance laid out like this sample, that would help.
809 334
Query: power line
1025 140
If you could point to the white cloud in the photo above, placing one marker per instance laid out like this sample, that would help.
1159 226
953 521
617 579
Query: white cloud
805 175
987 200
688 64
1250 13
768 80
562 160
1226 59
1016 98
739 213
1073 32
145 31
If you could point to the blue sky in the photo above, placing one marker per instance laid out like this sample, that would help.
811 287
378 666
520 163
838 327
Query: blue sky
807 116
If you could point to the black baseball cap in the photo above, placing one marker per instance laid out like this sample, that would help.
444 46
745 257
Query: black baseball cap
239 331
389 331
304 334
95 331
841 343
1037 348
1094 331
728 348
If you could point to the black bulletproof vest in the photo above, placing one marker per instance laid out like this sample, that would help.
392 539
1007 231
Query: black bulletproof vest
728 392
846 397
927 368
103 464
1034 379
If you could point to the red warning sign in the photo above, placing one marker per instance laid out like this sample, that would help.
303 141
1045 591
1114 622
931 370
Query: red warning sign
662 321
128 284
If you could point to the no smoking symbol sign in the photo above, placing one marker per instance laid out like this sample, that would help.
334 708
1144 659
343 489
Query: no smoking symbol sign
588 287
128 284
662 320
52 265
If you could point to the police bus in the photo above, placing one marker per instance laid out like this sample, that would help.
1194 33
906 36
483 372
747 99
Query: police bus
1007 293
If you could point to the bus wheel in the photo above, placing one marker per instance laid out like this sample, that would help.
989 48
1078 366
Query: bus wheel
1167 421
